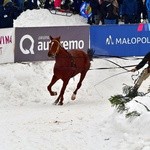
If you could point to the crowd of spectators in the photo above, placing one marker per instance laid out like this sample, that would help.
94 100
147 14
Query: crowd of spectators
115 11
103 11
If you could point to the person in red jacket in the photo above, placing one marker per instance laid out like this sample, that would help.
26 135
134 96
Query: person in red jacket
144 74
57 4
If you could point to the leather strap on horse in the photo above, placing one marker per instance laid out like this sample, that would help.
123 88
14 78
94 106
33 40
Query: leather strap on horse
57 50
73 64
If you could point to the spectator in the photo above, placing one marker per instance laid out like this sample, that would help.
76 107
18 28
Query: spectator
120 8
140 6
57 4
66 4
76 6
110 11
129 11
8 12
144 74
144 11
96 12
32 5
148 9
49 4
20 4
5 14
99 16
1 13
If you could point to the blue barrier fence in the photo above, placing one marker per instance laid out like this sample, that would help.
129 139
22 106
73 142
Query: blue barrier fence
120 40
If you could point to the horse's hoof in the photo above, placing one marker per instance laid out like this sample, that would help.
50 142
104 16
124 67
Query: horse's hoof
73 97
60 103
53 93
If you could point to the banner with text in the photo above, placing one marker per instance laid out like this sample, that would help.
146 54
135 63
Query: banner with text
7 42
32 43
120 40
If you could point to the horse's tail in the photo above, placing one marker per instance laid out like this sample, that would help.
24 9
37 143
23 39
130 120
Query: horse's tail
90 53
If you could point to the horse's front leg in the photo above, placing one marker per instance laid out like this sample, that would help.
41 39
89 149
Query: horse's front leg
61 95
53 81
73 97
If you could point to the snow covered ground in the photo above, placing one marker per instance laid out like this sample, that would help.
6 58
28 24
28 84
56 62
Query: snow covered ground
30 121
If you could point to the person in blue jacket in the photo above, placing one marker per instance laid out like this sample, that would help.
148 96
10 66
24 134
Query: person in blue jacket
129 11
148 9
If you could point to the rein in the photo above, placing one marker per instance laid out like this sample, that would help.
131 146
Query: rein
110 77
103 68
116 64
114 56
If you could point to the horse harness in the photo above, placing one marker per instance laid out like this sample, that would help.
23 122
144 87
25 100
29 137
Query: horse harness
59 45
73 64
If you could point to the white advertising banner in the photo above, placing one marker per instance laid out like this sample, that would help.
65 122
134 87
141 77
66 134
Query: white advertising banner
7 44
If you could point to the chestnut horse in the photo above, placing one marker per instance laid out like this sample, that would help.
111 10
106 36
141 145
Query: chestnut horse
67 65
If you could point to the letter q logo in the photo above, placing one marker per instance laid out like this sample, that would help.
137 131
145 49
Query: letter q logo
24 50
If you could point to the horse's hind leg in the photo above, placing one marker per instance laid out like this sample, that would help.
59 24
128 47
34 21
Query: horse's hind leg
53 81
73 97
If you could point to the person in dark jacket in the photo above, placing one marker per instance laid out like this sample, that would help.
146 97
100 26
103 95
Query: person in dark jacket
20 4
144 11
95 6
1 9
110 11
6 20
144 74
47 4
30 4
141 11
129 11
120 7
76 6
8 12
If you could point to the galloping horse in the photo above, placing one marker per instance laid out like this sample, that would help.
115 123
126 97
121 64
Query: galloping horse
67 65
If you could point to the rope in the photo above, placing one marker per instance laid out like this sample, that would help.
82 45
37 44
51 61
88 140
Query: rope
98 56
143 105
117 64
114 56
110 77
101 68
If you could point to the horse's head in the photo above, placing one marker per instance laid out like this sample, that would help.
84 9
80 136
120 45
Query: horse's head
54 46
